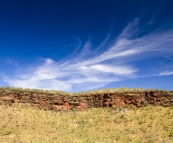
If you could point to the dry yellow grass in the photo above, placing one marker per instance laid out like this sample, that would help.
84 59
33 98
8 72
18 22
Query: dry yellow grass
24 124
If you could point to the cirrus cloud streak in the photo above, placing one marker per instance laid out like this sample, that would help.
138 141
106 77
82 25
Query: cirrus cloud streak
88 70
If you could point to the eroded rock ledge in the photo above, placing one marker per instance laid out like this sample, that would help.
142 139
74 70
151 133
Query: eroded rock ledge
57 100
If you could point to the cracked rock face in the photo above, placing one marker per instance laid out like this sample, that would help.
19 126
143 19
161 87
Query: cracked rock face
50 101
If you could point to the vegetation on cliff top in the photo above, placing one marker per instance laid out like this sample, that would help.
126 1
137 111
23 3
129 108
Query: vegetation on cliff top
59 92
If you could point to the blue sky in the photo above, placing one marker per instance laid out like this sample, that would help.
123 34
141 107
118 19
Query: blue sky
84 45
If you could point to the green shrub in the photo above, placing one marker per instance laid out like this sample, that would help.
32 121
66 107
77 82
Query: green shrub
4 132
171 134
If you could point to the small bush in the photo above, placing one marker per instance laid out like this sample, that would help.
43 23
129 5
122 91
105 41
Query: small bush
171 134
5 132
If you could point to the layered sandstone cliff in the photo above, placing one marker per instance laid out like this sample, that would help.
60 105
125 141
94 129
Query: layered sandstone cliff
56 100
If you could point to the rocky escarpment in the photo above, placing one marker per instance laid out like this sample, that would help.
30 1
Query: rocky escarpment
56 100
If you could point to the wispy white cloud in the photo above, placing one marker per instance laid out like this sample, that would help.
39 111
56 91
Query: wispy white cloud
103 44
51 75
88 70
117 70
166 73
43 77
14 63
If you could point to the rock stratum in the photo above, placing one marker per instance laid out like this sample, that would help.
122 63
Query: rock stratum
58 100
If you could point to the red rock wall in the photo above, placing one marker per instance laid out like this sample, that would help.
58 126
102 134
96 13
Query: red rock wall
53 101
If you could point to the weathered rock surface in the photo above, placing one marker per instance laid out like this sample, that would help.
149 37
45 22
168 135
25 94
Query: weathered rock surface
119 98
